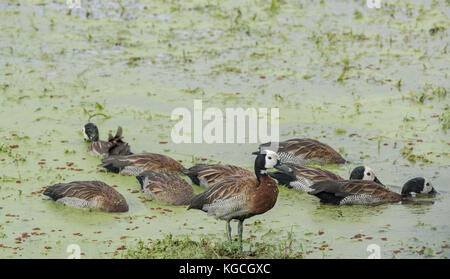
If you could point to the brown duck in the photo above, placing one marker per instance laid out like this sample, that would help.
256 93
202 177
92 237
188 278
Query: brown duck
241 196
166 187
301 151
136 163
88 195
114 146
364 192
206 175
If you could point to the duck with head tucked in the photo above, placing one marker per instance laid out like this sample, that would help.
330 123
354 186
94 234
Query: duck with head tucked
166 187
363 192
94 195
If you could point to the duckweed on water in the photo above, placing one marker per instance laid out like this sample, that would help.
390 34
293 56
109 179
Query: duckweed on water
378 77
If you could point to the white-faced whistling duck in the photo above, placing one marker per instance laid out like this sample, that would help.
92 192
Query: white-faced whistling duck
94 195
241 196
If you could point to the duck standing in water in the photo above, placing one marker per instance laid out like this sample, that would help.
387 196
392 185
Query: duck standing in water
303 151
88 195
348 192
114 146
241 196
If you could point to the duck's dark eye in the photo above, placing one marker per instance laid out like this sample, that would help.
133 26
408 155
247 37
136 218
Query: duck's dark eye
270 158
428 184
368 173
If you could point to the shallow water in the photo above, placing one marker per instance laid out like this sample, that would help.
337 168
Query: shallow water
334 74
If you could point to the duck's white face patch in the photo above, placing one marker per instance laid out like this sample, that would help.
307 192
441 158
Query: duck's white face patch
85 135
271 159
427 187
369 174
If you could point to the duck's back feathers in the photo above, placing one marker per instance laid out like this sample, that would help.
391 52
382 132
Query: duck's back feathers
119 147
166 187
136 163
99 148
301 177
353 192
300 151
88 194
207 175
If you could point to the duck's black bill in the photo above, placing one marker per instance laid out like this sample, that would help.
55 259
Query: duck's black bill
284 169
378 181
434 192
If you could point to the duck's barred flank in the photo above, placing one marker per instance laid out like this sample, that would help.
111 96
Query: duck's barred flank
225 208
349 192
362 199
302 184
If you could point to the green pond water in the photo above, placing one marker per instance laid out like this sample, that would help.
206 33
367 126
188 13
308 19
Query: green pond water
372 83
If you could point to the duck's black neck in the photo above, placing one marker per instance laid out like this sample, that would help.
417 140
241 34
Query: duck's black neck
259 167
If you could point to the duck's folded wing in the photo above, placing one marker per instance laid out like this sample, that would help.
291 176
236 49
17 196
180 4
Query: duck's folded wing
136 163
100 148
207 175
350 187
313 174
166 186
77 189
328 186
227 198
308 148
297 150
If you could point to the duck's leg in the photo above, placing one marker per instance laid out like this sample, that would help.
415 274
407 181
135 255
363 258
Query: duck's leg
229 231
240 229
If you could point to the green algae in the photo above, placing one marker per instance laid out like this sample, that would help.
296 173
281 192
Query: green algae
371 83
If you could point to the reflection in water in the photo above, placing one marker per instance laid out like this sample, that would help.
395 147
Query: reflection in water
419 205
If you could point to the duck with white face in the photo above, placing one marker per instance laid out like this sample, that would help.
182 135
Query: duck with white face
418 185
364 173
364 192
242 196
